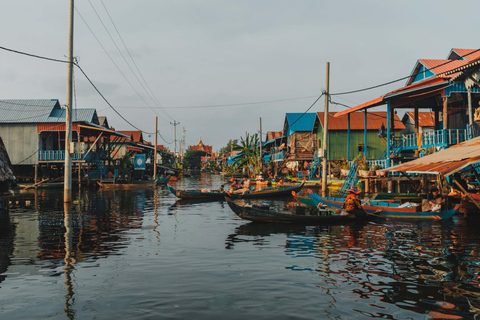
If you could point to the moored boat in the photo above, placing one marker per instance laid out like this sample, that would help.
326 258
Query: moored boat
197 194
389 210
297 215
268 192
142 184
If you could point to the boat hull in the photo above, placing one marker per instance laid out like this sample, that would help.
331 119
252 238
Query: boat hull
391 210
269 192
128 186
196 194
270 215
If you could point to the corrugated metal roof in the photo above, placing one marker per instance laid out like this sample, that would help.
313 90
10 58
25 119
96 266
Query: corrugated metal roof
468 54
357 121
425 119
136 135
41 111
27 111
441 66
445 162
300 122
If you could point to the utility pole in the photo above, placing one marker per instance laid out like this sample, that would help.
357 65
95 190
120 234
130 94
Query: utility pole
261 165
67 181
325 134
175 135
155 151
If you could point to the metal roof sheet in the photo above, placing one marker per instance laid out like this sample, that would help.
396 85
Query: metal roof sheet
441 66
357 121
27 111
300 122
41 111
445 162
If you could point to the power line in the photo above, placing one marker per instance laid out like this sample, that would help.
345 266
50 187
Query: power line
291 124
400 79
86 76
135 64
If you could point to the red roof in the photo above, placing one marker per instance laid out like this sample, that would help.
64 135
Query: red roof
441 66
425 119
357 121
136 135
468 54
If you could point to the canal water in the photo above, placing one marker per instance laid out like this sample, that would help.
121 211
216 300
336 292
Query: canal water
143 254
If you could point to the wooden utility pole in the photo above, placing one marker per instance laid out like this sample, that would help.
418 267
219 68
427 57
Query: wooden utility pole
155 151
261 165
67 181
325 134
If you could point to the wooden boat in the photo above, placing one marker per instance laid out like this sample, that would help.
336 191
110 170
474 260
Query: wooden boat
389 210
142 184
298 214
197 194
163 180
268 192
306 201
397 197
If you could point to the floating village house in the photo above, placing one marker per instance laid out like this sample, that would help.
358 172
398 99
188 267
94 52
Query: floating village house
366 135
34 135
300 132
449 88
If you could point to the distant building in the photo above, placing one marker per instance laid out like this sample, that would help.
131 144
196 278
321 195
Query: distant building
202 147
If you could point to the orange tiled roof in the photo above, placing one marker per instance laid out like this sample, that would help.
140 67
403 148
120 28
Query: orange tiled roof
136 135
357 121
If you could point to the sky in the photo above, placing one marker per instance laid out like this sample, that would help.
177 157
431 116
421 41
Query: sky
218 67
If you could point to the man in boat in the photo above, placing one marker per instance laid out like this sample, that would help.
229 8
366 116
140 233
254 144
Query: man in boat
352 204
246 185
235 185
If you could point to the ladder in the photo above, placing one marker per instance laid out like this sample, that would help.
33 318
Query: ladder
350 180
312 167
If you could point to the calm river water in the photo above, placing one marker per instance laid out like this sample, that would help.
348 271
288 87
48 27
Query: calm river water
144 255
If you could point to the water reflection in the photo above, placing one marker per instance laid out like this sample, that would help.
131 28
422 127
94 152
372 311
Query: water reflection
419 267
142 253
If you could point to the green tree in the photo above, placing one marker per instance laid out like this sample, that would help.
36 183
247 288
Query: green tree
193 159
230 145
249 153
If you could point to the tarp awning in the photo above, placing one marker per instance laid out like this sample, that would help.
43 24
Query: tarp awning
445 162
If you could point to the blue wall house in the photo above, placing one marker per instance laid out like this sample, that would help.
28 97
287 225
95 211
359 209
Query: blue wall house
300 130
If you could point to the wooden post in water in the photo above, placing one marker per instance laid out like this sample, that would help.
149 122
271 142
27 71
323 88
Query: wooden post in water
67 181
155 151
325 134
261 165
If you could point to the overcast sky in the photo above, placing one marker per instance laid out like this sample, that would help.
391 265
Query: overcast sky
217 67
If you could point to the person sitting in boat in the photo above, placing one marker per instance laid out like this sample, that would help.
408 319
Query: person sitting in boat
235 185
352 204
436 200
221 188
246 185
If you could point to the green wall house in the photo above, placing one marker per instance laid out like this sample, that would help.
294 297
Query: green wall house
338 134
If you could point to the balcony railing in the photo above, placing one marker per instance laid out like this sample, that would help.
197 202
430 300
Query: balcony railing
437 138
56 155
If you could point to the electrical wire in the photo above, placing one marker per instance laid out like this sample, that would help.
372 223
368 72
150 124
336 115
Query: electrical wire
400 79
134 63
291 124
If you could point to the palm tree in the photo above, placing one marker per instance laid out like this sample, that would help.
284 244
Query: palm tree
250 153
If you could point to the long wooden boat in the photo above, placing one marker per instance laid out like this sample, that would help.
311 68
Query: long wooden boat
143 184
163 180
397 197
197 194
264 213
268 192
305 200
389 210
